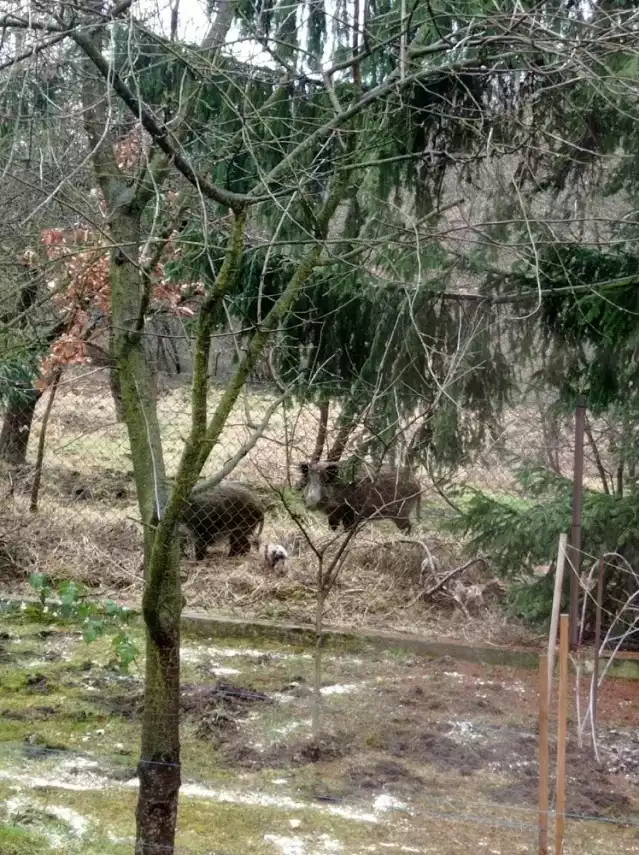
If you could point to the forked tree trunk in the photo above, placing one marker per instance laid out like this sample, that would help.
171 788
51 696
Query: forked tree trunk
341 440
159 767
16 427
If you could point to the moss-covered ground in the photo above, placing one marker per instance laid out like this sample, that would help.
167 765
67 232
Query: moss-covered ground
415 756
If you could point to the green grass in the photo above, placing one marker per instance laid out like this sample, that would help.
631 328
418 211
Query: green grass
15 840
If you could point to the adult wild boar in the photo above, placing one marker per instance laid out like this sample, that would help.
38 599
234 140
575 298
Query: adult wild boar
349 496
228 510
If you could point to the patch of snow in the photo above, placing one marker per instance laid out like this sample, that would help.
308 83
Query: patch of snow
282 698
92 733
113 838
79 763
330 844
352 660
285 729
221 671
81 783
286 845
75 775
338 689
386 802
76 822
295 823
16 804
402 848
463 731
298 846
264 800
194 654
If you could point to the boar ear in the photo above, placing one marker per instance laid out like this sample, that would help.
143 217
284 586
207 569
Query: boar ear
332 471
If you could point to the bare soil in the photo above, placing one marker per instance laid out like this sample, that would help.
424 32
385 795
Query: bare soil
444 742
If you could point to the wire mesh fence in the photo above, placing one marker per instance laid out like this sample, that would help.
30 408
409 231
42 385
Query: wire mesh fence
87 526
294 303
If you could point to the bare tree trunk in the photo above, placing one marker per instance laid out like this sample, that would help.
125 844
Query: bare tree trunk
159 767
105 359
320 439
598 463
421 441
18 419
343 435
37 478
16 427
116 394
316 709
550 439
287 446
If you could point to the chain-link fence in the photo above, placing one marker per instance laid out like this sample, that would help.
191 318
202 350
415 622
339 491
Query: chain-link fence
74 513
295 303
407 570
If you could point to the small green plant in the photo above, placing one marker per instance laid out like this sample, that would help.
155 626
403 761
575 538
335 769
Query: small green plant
41 585
72 604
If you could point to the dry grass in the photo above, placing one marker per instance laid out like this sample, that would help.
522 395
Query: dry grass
378 586
87 526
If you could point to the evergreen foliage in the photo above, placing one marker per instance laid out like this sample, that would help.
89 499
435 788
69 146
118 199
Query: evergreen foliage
588 321
521 533
351 339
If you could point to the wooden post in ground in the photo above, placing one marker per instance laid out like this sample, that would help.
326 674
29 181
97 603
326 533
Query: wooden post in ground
556 605
595 664
562 716
575 530
544 760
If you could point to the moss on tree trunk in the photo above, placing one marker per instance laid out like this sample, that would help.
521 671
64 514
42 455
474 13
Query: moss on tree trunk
159 768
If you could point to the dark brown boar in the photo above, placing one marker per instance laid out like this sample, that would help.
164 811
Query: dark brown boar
349 497
226 510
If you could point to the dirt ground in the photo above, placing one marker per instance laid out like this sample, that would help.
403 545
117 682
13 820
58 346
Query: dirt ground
407 745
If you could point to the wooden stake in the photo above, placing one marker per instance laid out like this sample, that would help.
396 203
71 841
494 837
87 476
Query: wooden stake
595 664
562 715
556 605
544 761
575 530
